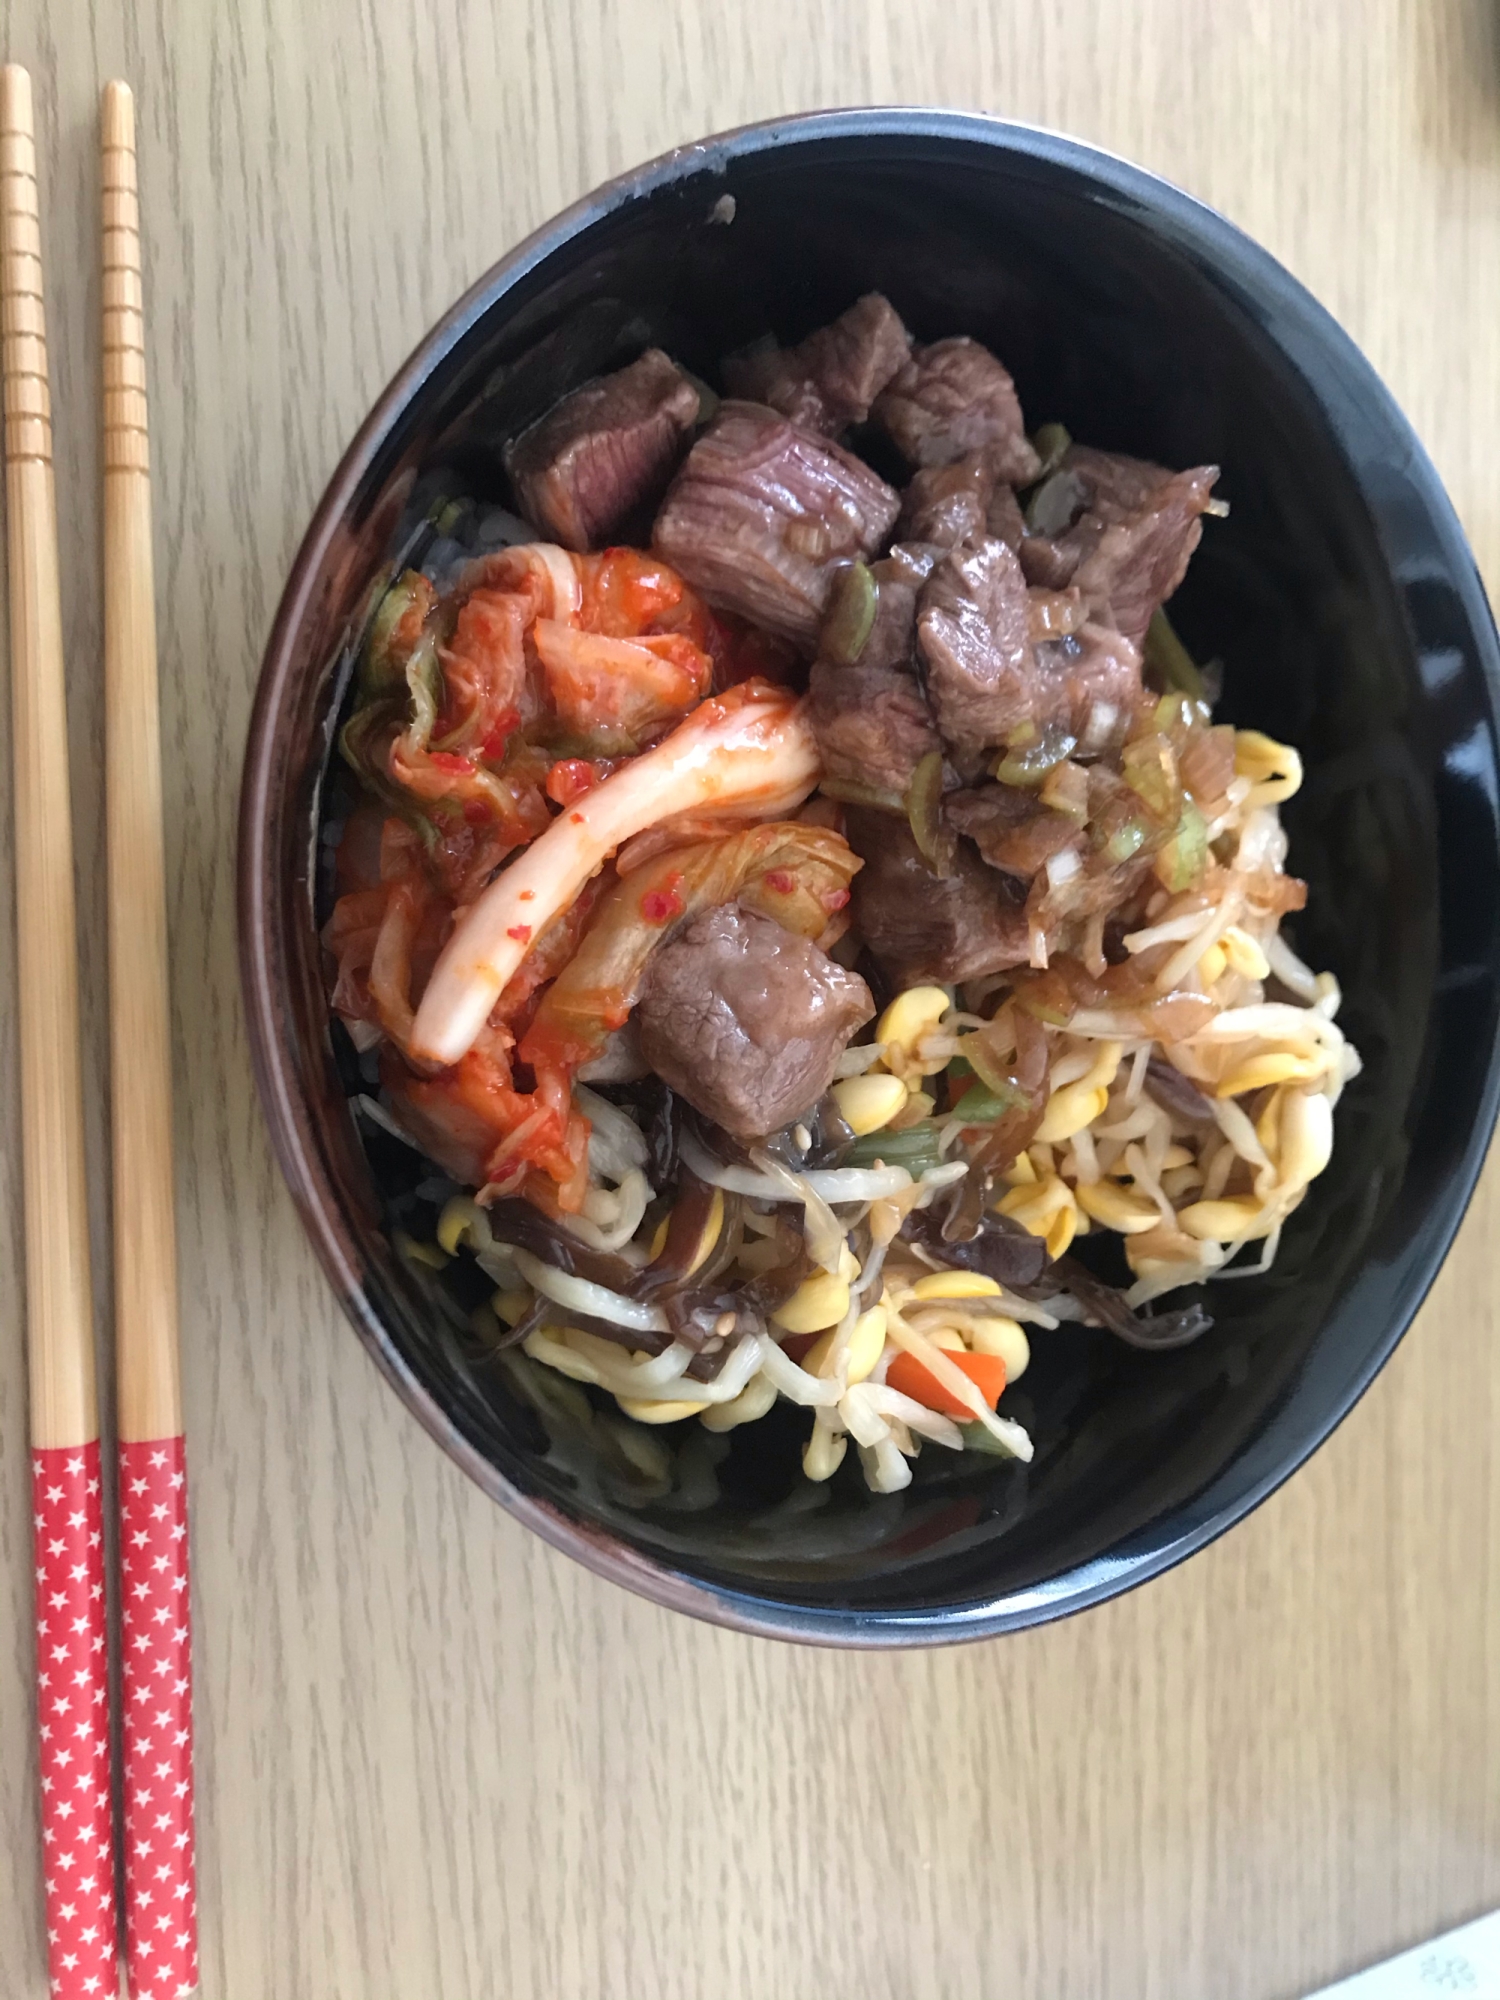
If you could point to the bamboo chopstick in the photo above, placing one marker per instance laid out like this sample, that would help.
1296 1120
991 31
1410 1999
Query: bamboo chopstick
72 1651
160 1905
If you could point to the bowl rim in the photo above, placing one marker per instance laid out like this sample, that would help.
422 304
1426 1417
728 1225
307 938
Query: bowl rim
1235 260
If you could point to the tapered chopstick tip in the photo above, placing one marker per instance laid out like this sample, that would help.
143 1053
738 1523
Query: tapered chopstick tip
117 115
15 99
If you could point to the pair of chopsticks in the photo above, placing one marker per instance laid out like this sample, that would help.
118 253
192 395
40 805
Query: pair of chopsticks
73 1705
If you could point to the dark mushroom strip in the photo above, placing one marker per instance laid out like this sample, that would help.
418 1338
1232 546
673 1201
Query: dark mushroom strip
1178 1095
998 1249
1106 1307
518 1223
1002 1250
684 1250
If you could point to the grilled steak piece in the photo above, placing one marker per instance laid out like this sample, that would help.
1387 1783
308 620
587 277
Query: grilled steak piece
828 381
973 632
1093 685
762 514
747 1020
952 398
947 505
872 723
922 926
1011 828
604 451
1119 528
1004 518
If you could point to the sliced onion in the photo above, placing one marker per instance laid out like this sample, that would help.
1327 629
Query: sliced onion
1063 866
1099 1024
582 1296
821 1228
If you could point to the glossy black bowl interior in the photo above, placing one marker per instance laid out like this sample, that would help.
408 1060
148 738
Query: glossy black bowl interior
1346 609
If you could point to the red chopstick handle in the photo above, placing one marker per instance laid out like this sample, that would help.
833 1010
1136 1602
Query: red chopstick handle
72 1660
161 1908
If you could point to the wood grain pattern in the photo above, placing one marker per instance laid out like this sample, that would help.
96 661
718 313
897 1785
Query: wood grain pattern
58 1294
149 1394
435 1758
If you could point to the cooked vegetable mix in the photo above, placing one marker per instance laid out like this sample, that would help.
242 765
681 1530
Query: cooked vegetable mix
799 934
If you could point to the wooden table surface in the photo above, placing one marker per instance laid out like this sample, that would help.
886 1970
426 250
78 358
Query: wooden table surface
437 1760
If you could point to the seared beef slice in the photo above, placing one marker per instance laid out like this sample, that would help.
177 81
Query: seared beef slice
947 505
973 632
829 380
762 514
953 398
747 1020
922 926
602 452
899 577
872 723
1091 683
1011 828
1129 548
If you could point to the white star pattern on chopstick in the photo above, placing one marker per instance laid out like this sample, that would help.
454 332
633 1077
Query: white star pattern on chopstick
162 1949
76 1837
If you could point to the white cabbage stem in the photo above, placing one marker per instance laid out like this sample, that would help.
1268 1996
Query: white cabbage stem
727 752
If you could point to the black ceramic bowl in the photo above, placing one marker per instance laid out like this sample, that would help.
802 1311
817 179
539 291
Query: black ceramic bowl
1346 607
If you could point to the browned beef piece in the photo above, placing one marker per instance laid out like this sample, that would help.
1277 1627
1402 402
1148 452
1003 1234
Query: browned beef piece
899 577
1011 828
1100 890
946 505
1136 564
1004 518
973 624
953 398
922 926
1092 683
872 723
893 636
768 374
829 380
604 451
1049 562
762 513
747 1020
1055 614
1129 547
